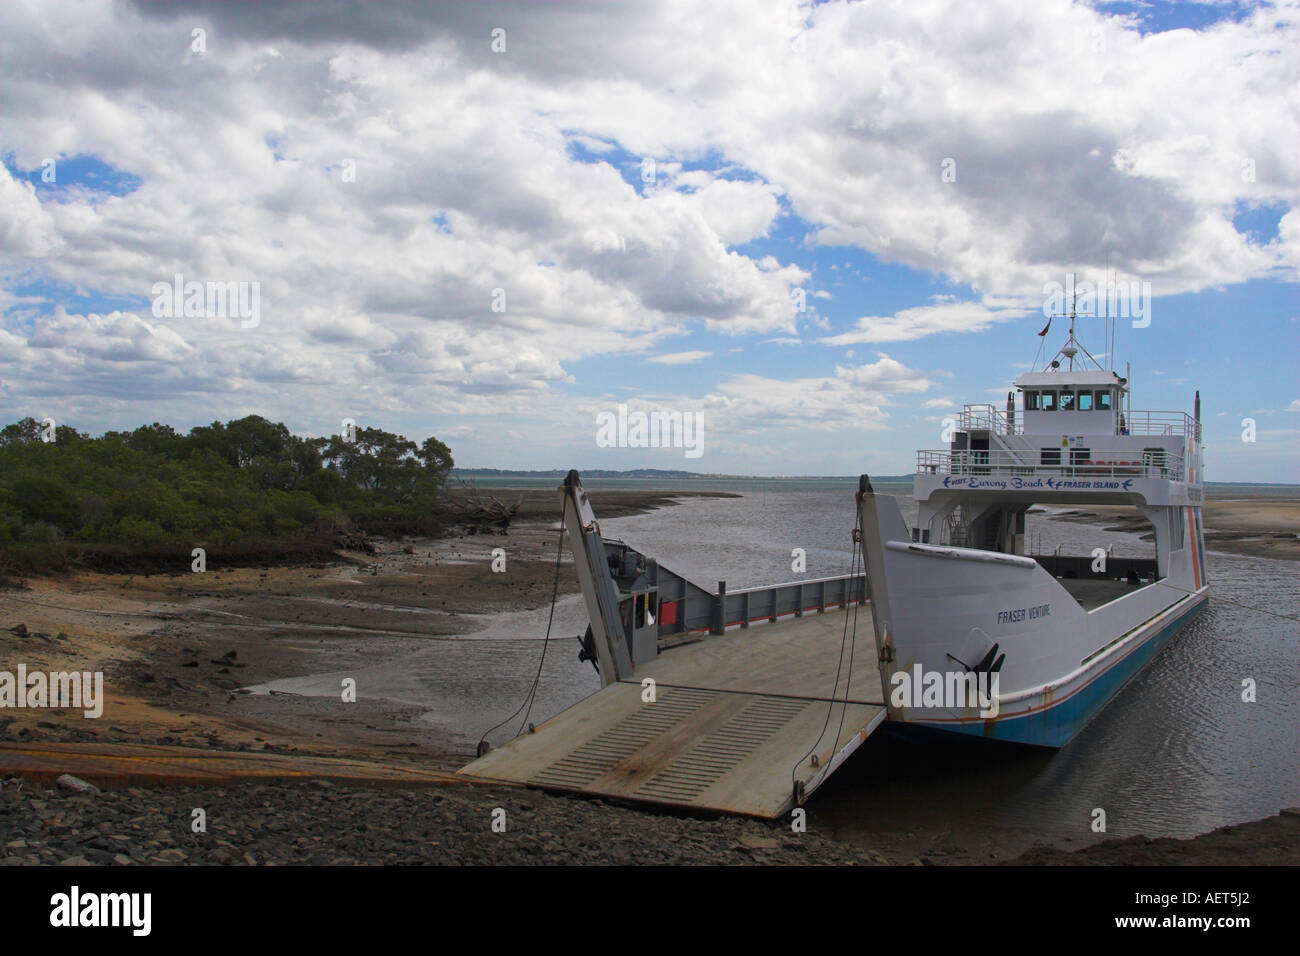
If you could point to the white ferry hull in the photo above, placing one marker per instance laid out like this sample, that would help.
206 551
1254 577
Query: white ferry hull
1053 716
941 609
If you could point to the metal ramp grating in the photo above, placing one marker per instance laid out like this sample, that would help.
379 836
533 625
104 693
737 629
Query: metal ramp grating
716 755
604 753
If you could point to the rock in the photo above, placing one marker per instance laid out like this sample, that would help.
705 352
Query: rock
19 629
69 782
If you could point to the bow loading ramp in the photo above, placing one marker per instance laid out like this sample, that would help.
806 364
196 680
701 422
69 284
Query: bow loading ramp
748 720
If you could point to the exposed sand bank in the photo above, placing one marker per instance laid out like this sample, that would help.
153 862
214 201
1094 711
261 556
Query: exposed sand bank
1263 527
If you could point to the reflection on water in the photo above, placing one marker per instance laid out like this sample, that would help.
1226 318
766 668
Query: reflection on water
1175 754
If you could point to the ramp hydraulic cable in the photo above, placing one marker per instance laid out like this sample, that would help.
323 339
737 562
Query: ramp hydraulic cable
531 696
851 642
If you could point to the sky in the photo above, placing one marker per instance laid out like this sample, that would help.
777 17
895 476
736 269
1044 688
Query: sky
814 231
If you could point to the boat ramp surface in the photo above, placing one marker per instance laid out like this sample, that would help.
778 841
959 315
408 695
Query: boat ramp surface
748 722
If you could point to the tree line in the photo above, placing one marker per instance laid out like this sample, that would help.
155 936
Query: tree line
220 484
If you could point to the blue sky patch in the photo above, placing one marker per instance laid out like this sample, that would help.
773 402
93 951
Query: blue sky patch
59 178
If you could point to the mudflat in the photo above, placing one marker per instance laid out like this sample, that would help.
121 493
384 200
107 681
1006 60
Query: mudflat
177 648
1267 527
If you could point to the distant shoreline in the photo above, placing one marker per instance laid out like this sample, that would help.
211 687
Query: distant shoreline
652 474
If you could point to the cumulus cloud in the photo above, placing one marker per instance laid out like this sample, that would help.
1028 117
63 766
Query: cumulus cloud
25 227
855 397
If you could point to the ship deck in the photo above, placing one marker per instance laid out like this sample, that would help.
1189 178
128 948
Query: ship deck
1092 593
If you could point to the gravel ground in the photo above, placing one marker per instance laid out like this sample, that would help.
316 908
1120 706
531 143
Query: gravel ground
321 823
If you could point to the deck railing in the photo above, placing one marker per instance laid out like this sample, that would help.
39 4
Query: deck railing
1157 423
769 602
1116 464
696 608
993 418
986 417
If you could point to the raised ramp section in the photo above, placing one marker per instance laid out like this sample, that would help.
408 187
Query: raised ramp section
731 728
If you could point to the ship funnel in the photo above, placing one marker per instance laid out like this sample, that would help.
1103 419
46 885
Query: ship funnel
1011 412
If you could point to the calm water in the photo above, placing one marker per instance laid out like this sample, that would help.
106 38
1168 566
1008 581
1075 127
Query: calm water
1175 754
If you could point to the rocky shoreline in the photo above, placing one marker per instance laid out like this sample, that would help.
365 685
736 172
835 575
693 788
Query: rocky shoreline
321 823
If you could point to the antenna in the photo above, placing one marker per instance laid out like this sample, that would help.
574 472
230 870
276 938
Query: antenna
1072 346
1074 305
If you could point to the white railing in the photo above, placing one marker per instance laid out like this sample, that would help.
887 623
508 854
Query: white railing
1115 464
986 417
993 418
1157 423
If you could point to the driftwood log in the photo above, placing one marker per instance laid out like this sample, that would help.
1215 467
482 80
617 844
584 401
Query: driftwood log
479 513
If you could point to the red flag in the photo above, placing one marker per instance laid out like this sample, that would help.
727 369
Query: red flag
1045 328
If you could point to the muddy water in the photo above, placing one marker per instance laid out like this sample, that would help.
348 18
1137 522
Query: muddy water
1175 754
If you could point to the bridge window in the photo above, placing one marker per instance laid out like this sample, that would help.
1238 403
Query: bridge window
1049 401
1031 401
1067 400
1085 401
1103 401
